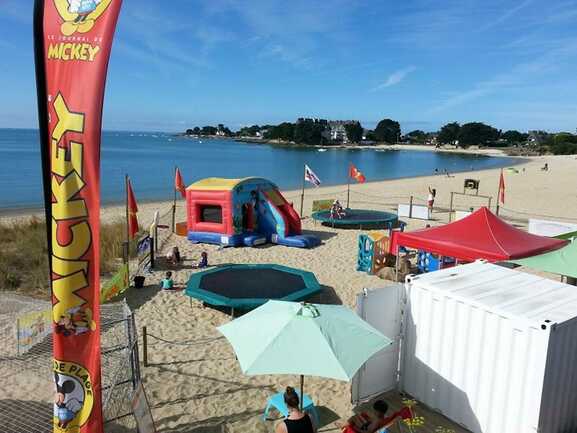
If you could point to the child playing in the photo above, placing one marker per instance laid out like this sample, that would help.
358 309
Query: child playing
167 283
203 260
377 421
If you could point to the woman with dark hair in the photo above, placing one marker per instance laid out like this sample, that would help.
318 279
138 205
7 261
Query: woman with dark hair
296 421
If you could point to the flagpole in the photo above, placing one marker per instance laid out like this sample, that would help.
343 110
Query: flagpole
127 249
303 190
499 193
348 185
174 202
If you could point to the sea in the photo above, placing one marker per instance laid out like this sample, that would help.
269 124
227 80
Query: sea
149 158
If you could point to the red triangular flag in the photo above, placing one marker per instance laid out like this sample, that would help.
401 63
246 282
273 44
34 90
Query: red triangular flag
502 188
355 174
179 184
132 208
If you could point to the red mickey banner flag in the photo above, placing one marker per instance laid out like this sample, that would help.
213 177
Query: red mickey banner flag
72 42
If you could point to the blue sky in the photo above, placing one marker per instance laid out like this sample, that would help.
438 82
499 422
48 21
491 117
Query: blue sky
178 64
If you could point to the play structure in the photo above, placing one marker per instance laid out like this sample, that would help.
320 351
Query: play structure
375 250
242 212
357 218
481 235
248 286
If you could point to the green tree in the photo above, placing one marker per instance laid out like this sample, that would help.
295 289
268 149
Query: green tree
249 131
189 132
283 131
449 133
196 130
309 131
388 130
514 137
208 130
354 132
417 136
477 133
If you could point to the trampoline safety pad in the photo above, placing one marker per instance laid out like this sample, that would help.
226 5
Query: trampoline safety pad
248 286
357 218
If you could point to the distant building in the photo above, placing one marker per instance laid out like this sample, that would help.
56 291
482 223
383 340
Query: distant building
337 132
536 138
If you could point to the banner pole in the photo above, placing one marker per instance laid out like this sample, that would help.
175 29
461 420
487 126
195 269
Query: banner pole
126 180
174 203
42 98
303 191
348 186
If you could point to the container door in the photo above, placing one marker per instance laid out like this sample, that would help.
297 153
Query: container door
382 309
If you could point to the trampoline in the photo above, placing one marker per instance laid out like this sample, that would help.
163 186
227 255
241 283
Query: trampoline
358 218
248 286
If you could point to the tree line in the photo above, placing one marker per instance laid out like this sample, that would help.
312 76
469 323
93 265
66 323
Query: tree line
318 132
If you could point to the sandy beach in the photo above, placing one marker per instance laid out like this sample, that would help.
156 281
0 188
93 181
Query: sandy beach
202 385
196 385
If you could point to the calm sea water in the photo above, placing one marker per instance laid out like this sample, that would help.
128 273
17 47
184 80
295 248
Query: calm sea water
149 159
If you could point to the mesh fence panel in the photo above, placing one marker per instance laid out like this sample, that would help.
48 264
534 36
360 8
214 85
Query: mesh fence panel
26 376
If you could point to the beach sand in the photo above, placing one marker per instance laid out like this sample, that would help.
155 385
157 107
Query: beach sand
201 384
196 385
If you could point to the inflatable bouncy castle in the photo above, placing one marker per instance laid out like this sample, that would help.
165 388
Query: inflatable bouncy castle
242 212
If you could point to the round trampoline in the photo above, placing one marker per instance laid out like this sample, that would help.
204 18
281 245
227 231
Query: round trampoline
357 218
248 286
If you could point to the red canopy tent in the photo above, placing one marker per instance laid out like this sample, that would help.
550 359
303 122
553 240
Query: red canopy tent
481 235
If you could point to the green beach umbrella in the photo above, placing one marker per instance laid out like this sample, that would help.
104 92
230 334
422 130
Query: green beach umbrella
303 339
562 261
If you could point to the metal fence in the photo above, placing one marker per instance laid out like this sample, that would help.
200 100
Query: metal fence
26 375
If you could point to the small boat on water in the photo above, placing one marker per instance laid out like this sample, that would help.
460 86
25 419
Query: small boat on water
321 150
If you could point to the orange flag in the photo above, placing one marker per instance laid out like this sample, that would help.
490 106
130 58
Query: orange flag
179 184
502 188
355 174
132 209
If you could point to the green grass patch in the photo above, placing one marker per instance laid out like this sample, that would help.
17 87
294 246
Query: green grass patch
24 255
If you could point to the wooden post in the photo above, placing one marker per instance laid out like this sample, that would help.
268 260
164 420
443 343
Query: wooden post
152 243
411 207
303 192
302 391
451 207
144 346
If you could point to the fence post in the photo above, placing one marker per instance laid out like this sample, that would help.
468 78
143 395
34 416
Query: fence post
173 218
144 346
411 207
451 206
152 244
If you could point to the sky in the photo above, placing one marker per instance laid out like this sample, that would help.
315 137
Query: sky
179 64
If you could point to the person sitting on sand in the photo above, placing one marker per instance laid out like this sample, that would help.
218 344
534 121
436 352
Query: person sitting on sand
203 260
167 283
545 167
296 421
365 422
173 256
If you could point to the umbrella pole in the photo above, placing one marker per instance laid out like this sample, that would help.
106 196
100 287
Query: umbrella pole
302 391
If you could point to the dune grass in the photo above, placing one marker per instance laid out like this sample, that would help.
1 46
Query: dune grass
24 255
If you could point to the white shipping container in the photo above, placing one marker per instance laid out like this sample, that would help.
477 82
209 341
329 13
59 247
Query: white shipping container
491 348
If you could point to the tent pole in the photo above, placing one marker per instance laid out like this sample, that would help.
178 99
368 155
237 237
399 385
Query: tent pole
302 391
397 265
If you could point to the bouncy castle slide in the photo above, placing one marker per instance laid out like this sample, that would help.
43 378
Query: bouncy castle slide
283 223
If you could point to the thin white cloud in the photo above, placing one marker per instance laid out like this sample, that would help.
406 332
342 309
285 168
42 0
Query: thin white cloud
521 75
395 78
506 15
